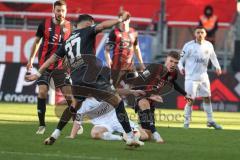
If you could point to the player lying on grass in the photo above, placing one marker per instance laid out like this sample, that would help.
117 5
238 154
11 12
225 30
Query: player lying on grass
87 80
156 80
103 116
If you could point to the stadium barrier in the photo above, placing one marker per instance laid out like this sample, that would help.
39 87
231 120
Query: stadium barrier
225 90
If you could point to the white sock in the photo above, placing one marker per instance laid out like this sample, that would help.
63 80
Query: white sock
56 133
111 137
130 135
187 113
208 109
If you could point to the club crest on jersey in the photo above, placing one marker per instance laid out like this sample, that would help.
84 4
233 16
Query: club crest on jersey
65 30
182 53
206 52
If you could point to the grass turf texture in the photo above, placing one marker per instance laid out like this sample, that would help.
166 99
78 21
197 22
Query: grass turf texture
18 123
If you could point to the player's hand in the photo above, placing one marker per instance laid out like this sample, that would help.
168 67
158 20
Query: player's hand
142 67
218 72
29 66
156 98
125 15
188 99
138 93
69 137
109 64
182 71
31 77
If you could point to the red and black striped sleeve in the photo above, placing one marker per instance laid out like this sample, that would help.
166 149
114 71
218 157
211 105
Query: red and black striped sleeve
40 30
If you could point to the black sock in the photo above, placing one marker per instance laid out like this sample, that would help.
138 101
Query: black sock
123 117
144 118
147 120
41 108
152 119
66 116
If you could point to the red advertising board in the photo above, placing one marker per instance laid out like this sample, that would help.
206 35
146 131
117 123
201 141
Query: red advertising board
16 45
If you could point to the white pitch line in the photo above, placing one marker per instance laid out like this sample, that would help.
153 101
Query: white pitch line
56 155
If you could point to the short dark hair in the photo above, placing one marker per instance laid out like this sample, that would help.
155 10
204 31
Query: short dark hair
199 27
174 54
85 17
208 7
59 3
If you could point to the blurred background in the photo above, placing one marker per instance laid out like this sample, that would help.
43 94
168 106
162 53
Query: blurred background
163 25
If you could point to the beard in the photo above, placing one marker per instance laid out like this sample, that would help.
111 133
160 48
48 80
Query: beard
59 18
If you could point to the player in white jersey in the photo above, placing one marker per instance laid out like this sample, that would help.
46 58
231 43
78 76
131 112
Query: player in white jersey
193 64
103 116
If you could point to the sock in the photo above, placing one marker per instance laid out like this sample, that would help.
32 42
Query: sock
41 108
66 116
111 137
56 133
187 114
152 120
208 109
123 117
144 117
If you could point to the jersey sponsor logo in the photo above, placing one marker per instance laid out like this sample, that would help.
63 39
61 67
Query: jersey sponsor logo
55 38
201 60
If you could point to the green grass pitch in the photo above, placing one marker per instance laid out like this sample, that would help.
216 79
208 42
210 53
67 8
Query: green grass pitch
18 141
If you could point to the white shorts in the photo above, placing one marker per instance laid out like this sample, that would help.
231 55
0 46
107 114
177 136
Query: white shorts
198 88
112 124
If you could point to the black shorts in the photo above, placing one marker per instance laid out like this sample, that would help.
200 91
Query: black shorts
89 85
59 78
119 75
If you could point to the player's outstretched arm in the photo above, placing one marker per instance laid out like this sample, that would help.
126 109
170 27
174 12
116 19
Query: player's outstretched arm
125 92
76 126
182 91
45 65
109 23
138 54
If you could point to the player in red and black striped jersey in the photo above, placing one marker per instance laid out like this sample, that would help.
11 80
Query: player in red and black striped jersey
156 80
50 35
123 41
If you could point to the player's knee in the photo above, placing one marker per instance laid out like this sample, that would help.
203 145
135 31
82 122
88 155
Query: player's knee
207 99
95 134
42 93
144 104
144 136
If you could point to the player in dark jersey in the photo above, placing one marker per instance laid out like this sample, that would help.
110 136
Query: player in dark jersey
123 41
155 81
51 34
87 80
